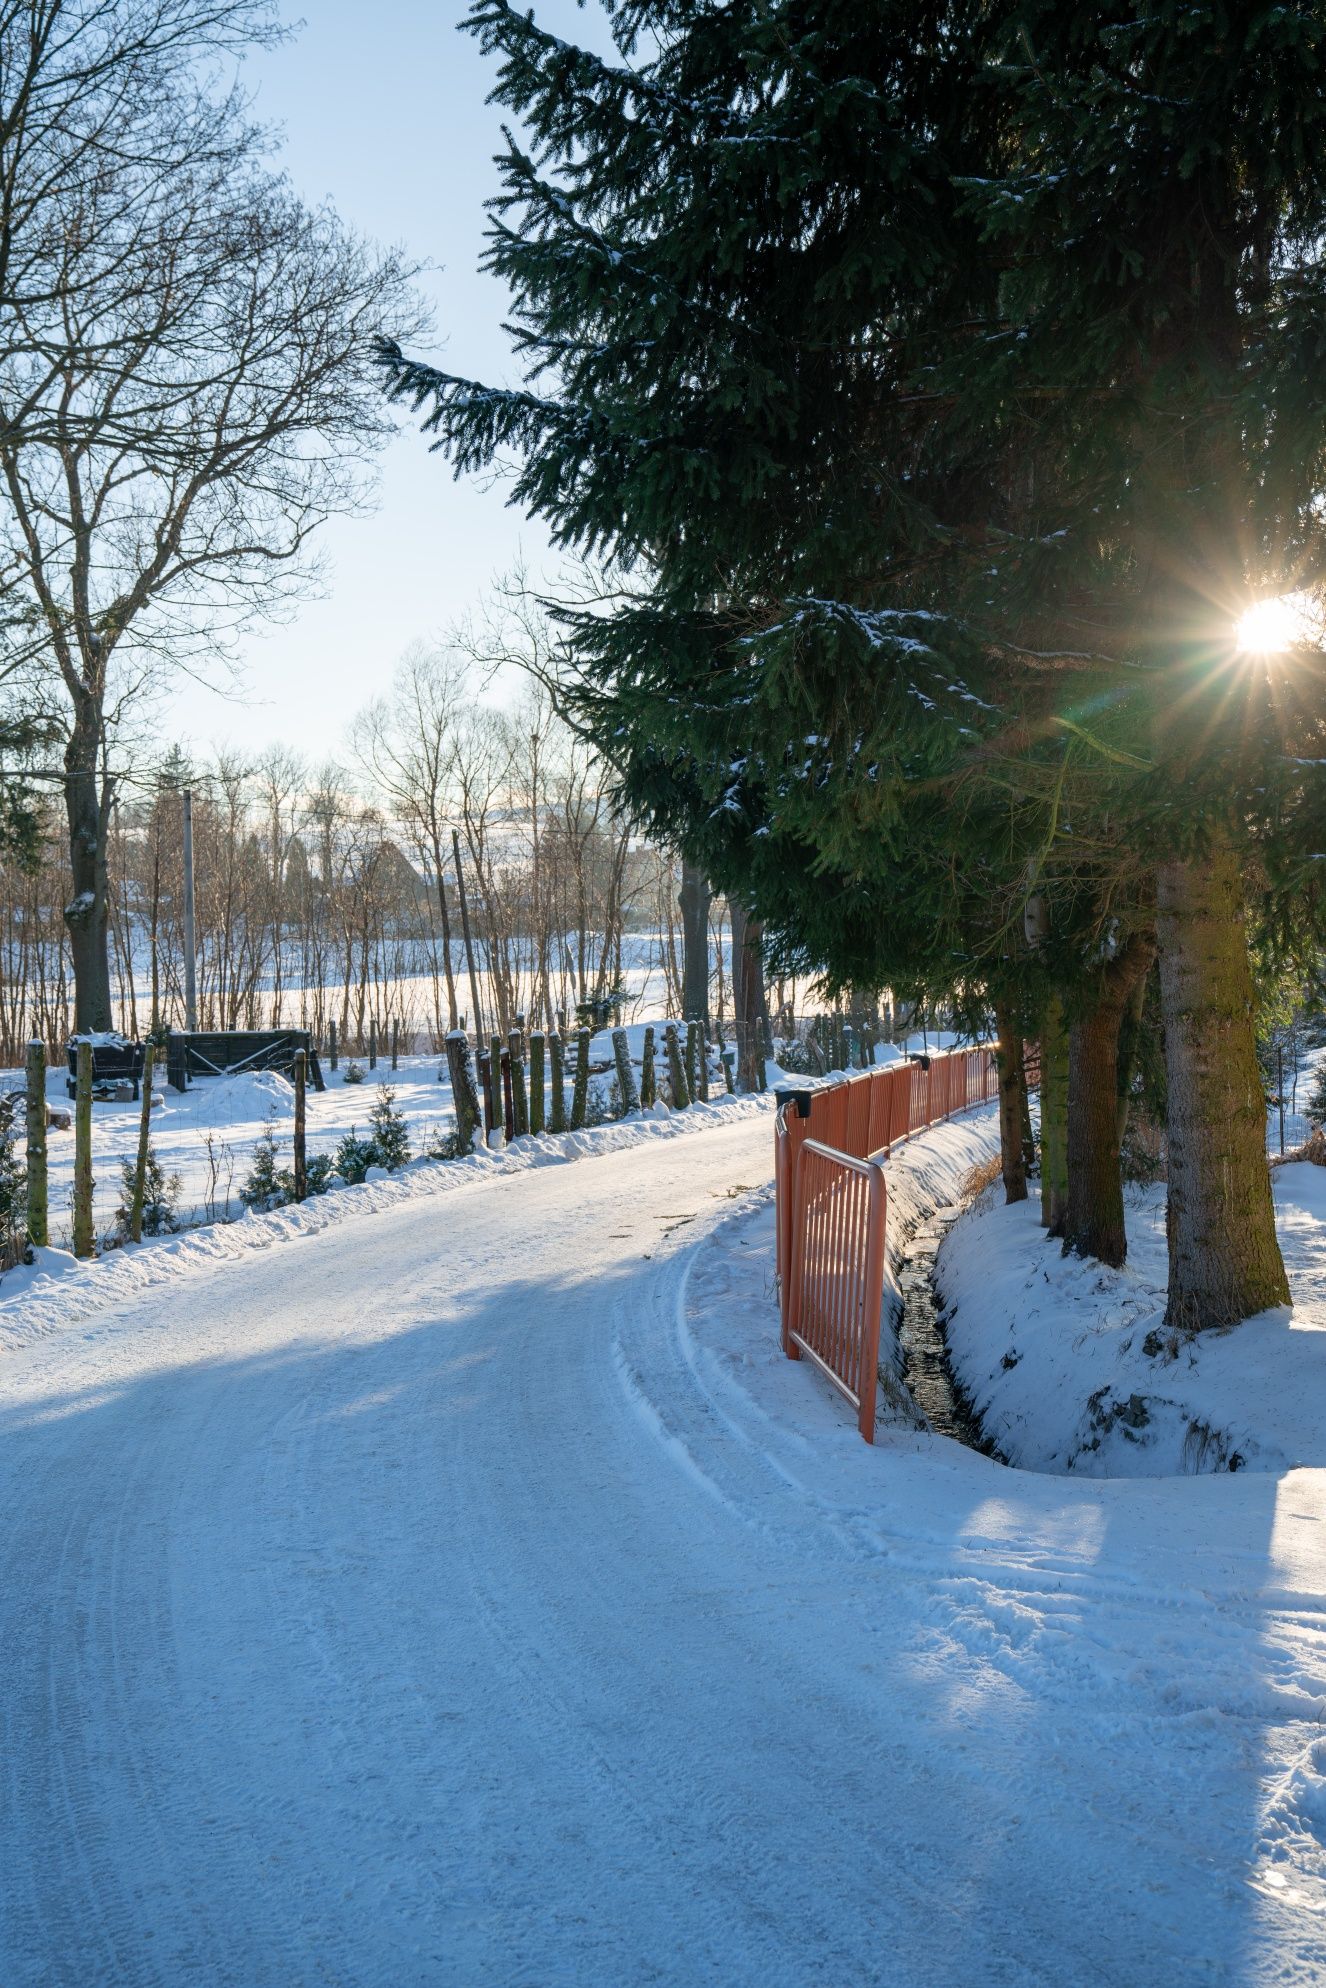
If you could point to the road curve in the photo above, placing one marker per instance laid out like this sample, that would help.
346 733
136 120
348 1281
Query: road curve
362 1623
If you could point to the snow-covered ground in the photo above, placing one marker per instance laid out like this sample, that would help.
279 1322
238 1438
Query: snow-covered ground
207 1134
1068 1366
232 1114
471 1592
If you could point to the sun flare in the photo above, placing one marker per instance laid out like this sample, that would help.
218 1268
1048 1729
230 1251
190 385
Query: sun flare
1270 627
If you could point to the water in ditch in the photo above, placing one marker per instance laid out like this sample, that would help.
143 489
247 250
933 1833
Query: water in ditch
927 1369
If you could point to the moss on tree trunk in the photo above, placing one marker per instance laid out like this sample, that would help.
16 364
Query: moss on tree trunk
1012 1086
1224 1260
1093 1222
1054 1117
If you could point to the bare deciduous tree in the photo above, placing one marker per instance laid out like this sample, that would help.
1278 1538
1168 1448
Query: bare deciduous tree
183 393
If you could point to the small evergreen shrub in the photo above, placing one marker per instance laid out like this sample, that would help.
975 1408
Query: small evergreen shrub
1315 1108
265 1187
354 1074
601 1109
13 1192
353 1157
161 1197
442 1143
391 1134
318 1172
797 1057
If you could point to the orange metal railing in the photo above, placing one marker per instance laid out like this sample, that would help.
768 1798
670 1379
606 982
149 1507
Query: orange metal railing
832 1204
836 1292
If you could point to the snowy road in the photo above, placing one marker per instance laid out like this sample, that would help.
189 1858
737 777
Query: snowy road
428 1602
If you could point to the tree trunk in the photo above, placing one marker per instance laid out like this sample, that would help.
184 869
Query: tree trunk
1129 1038
1224 1260
748 998
444 918
1012 1088
1093 1212
85 913
476 1020
1054 1116
693 899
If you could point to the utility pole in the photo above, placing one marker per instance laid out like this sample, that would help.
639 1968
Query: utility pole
190 968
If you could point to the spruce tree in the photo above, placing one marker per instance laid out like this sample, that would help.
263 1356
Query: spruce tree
940 384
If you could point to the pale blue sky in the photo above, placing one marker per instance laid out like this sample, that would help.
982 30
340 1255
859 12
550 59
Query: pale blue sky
384 113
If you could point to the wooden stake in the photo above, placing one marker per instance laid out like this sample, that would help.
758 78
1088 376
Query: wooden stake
580 1095
536 1107
519 1101
301 1123
85 1241
144 1138
681 1096
648 1081
496 1100
464 1091
38 1229
625 1075
557 1111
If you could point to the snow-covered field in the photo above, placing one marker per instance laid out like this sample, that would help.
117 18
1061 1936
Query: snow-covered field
207 1135
1068 1366
471 1592
232 1113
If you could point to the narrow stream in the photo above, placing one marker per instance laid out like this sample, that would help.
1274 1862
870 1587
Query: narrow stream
926 1366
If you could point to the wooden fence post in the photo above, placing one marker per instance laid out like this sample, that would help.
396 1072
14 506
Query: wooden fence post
301 1124
395 1042
537 1120
648 1081
625 1075
85 1241
557 1110
38 1221
464 1091
519 1101
373 1043
144 1139
580 1095
496 1101
681 1096
332 1055
692 1072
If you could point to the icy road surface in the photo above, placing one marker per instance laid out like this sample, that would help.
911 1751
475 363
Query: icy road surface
467 1594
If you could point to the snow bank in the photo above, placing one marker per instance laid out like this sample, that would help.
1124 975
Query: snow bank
1139 1664
1068 1366
58 1290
